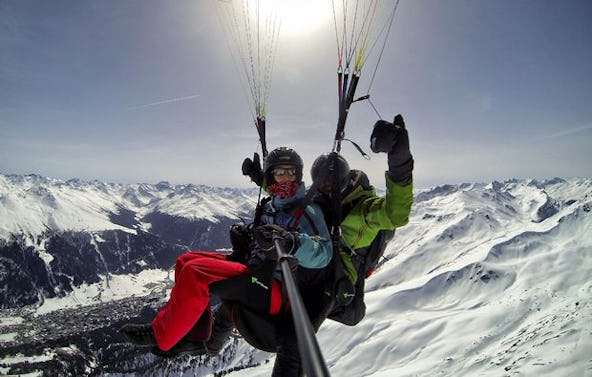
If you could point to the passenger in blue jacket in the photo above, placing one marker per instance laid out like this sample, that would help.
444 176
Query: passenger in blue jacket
250 276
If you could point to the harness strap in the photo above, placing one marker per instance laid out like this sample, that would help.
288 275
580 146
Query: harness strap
302 212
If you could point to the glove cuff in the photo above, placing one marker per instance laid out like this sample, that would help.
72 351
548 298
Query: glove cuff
257 177
402 172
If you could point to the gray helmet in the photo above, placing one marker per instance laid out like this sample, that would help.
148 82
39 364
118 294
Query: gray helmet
328 168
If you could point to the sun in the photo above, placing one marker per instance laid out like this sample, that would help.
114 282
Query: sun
300 17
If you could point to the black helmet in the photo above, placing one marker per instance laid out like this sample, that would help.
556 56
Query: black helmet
282 156
327 168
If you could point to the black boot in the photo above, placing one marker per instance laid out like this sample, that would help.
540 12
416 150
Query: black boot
221 330
138 334
183 347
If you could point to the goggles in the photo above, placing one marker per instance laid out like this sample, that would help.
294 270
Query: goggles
284 171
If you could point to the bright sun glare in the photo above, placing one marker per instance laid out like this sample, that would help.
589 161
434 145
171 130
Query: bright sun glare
300 17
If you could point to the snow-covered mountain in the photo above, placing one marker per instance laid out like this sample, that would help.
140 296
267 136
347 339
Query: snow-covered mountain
33 205
485 280
56 235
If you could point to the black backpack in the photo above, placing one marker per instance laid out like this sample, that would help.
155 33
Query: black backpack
346 289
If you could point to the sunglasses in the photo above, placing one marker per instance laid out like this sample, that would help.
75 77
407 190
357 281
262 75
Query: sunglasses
284 171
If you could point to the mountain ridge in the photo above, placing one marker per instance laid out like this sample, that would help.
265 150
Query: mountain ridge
486 279
66 233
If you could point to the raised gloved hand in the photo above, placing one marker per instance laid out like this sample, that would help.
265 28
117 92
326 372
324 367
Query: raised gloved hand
393 139
252 169
266 234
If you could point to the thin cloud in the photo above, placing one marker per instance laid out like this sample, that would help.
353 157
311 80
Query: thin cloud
568 132
163 102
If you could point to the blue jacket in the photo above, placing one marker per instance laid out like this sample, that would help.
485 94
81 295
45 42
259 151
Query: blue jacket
315 248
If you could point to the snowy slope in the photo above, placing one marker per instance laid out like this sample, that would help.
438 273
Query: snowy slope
58 235
32 204
486 280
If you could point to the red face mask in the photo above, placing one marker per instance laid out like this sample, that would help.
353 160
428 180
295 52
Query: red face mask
284 189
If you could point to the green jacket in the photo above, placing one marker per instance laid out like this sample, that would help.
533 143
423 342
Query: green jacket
371 213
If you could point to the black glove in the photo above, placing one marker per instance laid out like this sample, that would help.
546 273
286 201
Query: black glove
393 139
266 234
240 239
252 168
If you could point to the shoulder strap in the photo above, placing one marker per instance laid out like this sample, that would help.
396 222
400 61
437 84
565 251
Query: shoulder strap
302 212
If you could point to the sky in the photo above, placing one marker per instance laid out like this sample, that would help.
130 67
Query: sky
148 91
